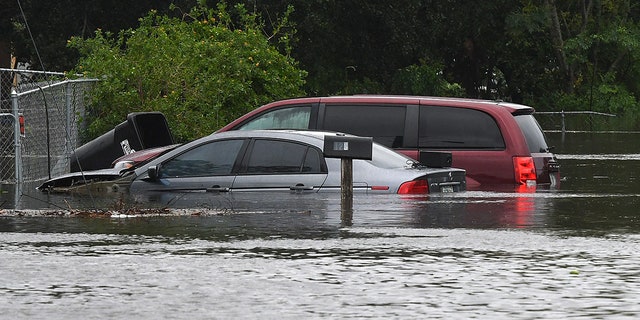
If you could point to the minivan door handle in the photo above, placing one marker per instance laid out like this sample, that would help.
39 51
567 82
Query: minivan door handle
301 187
217 188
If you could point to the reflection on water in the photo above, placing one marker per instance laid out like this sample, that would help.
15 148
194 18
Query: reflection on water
533 253
594 142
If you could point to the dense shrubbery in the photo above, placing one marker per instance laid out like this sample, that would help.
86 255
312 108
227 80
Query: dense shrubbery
424 79
201 71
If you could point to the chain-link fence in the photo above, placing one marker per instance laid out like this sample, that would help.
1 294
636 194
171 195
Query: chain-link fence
579 121
39 117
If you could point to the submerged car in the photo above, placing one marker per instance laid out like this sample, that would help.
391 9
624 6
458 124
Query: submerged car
265 160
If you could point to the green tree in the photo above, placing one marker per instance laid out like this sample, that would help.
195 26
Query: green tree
585 55
202 71
570 54
368 46
52 23
426 80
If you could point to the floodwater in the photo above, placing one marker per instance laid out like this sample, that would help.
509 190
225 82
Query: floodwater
536 254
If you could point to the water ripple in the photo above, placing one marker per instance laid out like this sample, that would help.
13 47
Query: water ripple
364 273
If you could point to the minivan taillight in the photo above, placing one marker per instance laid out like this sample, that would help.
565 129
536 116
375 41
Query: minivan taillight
414 187
525 170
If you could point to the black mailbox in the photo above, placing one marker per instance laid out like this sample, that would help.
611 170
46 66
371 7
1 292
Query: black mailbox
436 159
348 147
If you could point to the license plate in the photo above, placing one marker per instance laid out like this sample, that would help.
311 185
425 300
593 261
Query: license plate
446 189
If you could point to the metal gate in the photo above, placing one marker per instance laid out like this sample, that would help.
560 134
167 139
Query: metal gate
40 115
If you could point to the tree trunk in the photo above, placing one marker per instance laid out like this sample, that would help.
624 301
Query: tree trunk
558 45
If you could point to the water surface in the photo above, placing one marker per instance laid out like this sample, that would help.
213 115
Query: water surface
543 253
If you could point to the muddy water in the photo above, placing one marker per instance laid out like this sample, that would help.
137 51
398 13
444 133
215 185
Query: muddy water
570 252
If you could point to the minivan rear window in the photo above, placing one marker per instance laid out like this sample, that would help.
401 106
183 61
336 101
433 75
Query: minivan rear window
385 124
532 133
458 128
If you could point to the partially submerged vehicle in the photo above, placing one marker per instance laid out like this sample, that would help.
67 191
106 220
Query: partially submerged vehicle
260 161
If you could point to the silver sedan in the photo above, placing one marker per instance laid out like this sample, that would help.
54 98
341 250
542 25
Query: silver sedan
265 160
272 160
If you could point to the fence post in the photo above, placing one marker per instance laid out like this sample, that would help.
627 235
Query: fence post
346 191
16 136
67 131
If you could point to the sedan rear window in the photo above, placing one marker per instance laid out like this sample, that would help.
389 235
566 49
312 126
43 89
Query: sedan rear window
277 157
389 159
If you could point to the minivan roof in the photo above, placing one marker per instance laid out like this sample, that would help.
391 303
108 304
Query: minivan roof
423 100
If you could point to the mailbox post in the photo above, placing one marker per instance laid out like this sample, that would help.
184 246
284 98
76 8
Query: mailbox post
347 148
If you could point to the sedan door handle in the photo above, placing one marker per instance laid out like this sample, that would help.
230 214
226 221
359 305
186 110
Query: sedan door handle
300 187
217 188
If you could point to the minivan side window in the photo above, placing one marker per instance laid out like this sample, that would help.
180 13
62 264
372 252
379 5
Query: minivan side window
458 128
278 157
285 118
385 124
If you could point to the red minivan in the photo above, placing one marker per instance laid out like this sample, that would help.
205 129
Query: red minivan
497 143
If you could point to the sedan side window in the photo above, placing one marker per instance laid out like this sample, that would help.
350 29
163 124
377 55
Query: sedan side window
277 157
215 158
285 118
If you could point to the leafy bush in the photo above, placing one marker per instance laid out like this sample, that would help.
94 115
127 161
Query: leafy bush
424 79
202 70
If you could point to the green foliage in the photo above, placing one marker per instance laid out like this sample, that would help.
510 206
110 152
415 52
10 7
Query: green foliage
201 71
362 86
424 79
603 96
544 53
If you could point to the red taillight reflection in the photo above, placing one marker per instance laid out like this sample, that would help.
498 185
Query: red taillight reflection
414 187
525 170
